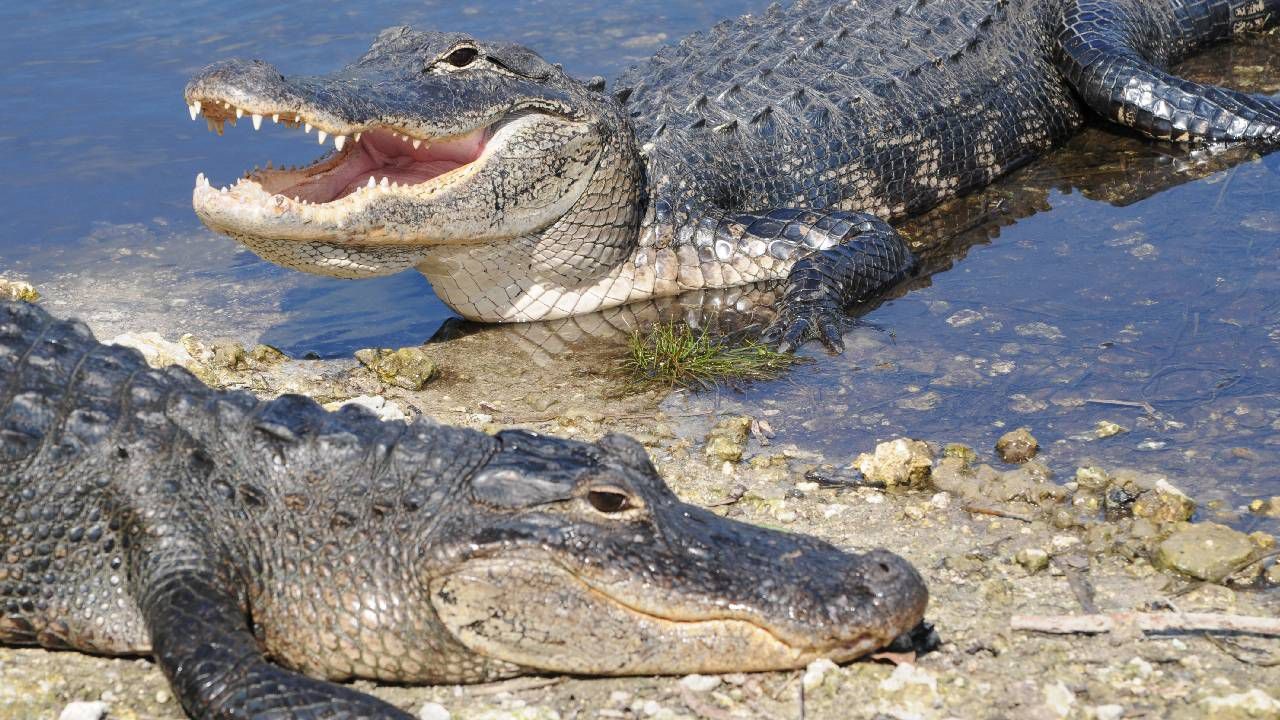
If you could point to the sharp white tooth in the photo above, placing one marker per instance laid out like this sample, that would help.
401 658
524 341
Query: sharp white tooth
224 188
257 121
371 183
199 179
239 113
417 143
295 199
226 105
193 109
268 164
306 128
358 136
275 117
339 141
322 136
384 183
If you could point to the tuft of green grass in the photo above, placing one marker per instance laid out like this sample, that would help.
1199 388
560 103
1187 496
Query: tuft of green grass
674 355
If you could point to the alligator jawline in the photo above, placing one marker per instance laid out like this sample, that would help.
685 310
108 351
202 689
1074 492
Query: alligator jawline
371 159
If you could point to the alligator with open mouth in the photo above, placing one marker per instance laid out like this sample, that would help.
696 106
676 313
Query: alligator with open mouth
257 549
772 148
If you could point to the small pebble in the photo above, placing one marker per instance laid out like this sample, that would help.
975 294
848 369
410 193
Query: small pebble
700 683
1032 559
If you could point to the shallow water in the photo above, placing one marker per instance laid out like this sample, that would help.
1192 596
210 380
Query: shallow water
1117 280
98 156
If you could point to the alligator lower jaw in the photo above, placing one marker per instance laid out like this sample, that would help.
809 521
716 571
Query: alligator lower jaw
369 163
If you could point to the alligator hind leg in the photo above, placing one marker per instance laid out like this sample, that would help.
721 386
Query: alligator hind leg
1113 52
852 257
201 639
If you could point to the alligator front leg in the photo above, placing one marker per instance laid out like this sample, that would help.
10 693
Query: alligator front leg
201 640
844 257
1113 52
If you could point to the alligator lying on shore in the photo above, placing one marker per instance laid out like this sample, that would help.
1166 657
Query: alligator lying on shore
772 147
142 512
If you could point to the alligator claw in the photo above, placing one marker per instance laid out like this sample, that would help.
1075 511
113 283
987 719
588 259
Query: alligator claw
795 327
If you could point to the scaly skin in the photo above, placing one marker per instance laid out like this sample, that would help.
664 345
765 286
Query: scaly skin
144 513
771 148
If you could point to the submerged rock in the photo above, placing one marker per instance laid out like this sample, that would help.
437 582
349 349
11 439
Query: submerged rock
901 463
1017 446
728 439
1207 551
408 368
1269 507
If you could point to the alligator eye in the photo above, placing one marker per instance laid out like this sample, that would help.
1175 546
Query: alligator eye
462 57
608 501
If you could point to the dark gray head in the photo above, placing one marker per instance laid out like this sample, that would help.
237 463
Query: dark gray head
441 141
578 558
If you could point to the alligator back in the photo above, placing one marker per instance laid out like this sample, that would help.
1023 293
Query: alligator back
76 418
881 106
101 454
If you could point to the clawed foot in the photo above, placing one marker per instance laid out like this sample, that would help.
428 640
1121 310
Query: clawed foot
797 325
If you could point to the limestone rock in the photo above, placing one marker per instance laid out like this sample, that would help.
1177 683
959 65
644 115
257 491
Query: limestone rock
728 439
157 351
267 355
901 463
1204 550
18 290
409 368
1242 706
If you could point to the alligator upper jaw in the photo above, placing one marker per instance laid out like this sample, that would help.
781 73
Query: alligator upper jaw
368 162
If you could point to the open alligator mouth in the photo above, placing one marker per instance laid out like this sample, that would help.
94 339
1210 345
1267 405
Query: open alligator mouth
367 161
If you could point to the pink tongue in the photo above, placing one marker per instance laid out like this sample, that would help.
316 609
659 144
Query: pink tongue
379 154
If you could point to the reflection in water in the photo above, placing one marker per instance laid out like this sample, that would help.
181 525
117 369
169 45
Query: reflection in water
1117 279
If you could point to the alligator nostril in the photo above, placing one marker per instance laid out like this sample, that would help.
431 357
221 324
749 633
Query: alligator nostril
884 567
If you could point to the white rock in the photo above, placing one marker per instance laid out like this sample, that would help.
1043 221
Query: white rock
84 711
906 675
433 711
700 683
1059 699
1252 704
385 409
816 672
1108 712
157 351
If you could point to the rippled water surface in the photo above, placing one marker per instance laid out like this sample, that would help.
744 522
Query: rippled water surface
1116 280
